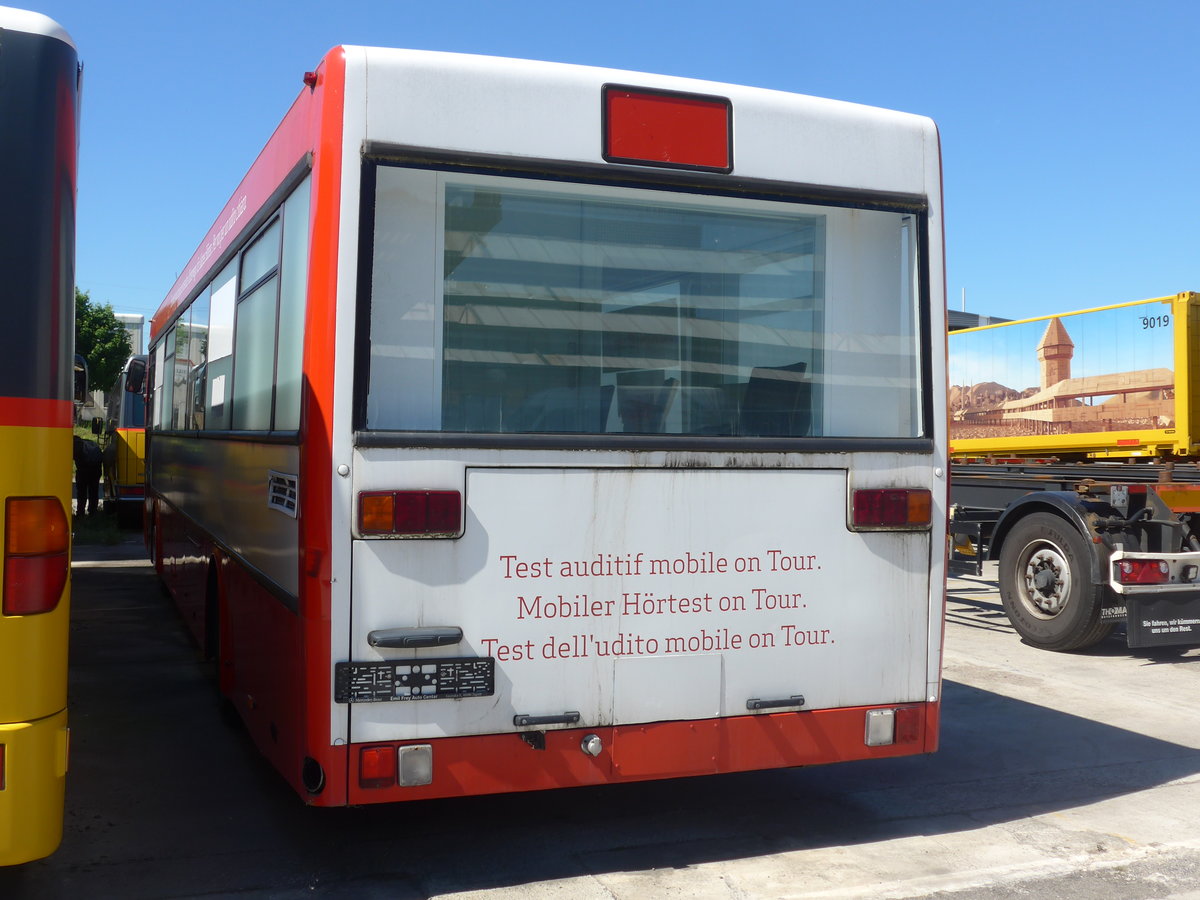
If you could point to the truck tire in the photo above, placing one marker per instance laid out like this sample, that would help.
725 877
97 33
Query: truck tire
1046 586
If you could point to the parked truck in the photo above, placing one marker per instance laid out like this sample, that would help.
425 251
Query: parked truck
1075 443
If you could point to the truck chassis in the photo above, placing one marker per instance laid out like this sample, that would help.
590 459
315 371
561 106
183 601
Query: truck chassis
1083 547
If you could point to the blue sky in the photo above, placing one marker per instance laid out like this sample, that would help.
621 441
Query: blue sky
1067 128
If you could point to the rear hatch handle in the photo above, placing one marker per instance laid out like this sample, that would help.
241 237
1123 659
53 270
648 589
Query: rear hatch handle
415 638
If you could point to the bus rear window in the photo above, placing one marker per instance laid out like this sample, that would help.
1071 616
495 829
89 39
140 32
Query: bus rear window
584 309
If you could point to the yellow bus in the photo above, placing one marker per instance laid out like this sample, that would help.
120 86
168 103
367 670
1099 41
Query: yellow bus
39 96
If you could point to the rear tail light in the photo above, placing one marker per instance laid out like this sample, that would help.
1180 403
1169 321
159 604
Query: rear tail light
37 542
1142 571
908 725
377 767
891 508
893 726
410 513
386 765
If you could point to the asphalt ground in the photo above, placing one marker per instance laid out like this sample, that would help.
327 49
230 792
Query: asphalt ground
1059 776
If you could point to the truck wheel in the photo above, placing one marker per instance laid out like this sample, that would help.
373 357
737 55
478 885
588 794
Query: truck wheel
1046 588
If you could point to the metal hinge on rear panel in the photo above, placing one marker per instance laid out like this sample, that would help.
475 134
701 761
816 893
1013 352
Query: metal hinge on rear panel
281 492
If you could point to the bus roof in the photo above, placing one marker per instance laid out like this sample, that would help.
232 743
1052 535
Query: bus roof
33 23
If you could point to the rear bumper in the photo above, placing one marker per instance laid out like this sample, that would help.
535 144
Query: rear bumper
502 763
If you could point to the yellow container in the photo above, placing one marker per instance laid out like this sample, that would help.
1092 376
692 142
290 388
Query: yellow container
1105 382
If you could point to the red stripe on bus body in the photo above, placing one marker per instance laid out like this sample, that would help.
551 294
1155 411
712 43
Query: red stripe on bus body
35 413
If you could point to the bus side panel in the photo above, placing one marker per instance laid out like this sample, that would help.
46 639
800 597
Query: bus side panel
253 635
225 488
183 567
262 667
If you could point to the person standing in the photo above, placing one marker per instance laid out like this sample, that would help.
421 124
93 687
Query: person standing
88 462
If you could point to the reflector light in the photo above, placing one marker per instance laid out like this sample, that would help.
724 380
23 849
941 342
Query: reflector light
667 128
881 727
893 726
36 557
1142 571
411 513
377 767
908 725
416 765
892 508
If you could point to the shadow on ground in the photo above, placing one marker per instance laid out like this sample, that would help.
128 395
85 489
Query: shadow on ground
166 799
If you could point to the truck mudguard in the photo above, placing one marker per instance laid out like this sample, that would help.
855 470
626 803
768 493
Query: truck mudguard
1081 512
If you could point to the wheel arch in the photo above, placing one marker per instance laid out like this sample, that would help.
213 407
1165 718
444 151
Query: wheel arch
1068 506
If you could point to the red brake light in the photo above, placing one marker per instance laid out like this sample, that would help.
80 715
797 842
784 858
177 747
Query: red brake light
377 767
412 513
908 725
1142 571
667 128
892 508
37 542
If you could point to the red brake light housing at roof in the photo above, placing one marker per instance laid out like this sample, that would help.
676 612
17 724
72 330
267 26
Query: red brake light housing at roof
37 541
891 509
667 128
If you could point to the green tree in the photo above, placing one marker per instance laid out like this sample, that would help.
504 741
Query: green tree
101 340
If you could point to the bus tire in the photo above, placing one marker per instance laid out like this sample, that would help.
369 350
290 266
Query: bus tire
1046 588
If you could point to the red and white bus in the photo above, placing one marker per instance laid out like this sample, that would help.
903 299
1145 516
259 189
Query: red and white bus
520 425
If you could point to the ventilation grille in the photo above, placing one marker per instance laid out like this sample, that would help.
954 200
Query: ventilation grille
281 492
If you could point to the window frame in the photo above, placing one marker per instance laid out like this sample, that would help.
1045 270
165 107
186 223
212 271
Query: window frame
272 213
376 156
